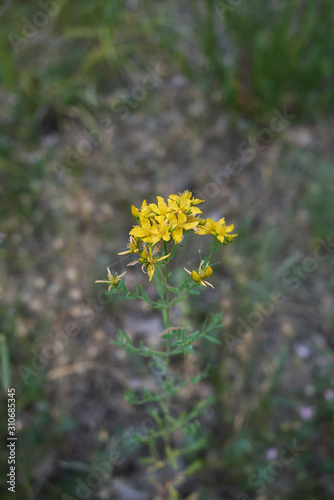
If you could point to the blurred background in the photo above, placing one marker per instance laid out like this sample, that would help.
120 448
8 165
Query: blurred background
104 104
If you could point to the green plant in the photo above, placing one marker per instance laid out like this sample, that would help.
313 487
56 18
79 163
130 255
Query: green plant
161 225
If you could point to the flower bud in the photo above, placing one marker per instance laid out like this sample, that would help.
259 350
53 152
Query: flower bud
135 212
208 271
195 276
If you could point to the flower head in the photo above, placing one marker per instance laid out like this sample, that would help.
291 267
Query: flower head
184 203
178 224
148 260
272 453
161 208
160 230
132 246
329 394
218 229
143 231
185 196
113 279
302 351
200 275
166 221
144 212
305 412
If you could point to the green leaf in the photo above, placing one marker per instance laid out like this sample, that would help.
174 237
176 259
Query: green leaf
130 396
191 428
189 348
147 460
194 467
144 294
212 339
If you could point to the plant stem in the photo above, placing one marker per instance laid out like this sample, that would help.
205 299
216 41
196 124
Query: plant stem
212 250
167 318
167 289
165 407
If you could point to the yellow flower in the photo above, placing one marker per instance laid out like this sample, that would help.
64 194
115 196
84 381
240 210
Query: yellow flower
186 195
144 231
160 230
183 206
132 246
145 211
148 261
217 229
178 224
164 221
152 232
161 208
184 203
199 277
113 279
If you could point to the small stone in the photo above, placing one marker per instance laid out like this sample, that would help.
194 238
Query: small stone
300 136
75 294
71 275
58 243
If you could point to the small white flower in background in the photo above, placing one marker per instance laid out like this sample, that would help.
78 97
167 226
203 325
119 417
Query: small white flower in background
306 412
272 453
329 394
302 351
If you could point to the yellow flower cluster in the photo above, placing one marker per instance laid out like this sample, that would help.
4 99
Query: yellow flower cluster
166 222
217 229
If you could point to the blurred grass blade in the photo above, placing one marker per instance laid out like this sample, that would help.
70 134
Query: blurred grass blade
108 46
81 32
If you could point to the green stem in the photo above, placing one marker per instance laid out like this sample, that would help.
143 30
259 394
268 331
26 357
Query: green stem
167 325
165 407
167 318
212 250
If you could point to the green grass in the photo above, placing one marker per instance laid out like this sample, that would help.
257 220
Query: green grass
265 57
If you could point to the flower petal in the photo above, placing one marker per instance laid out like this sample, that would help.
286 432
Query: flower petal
150 271
177 235
190 225
163 258
139 232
